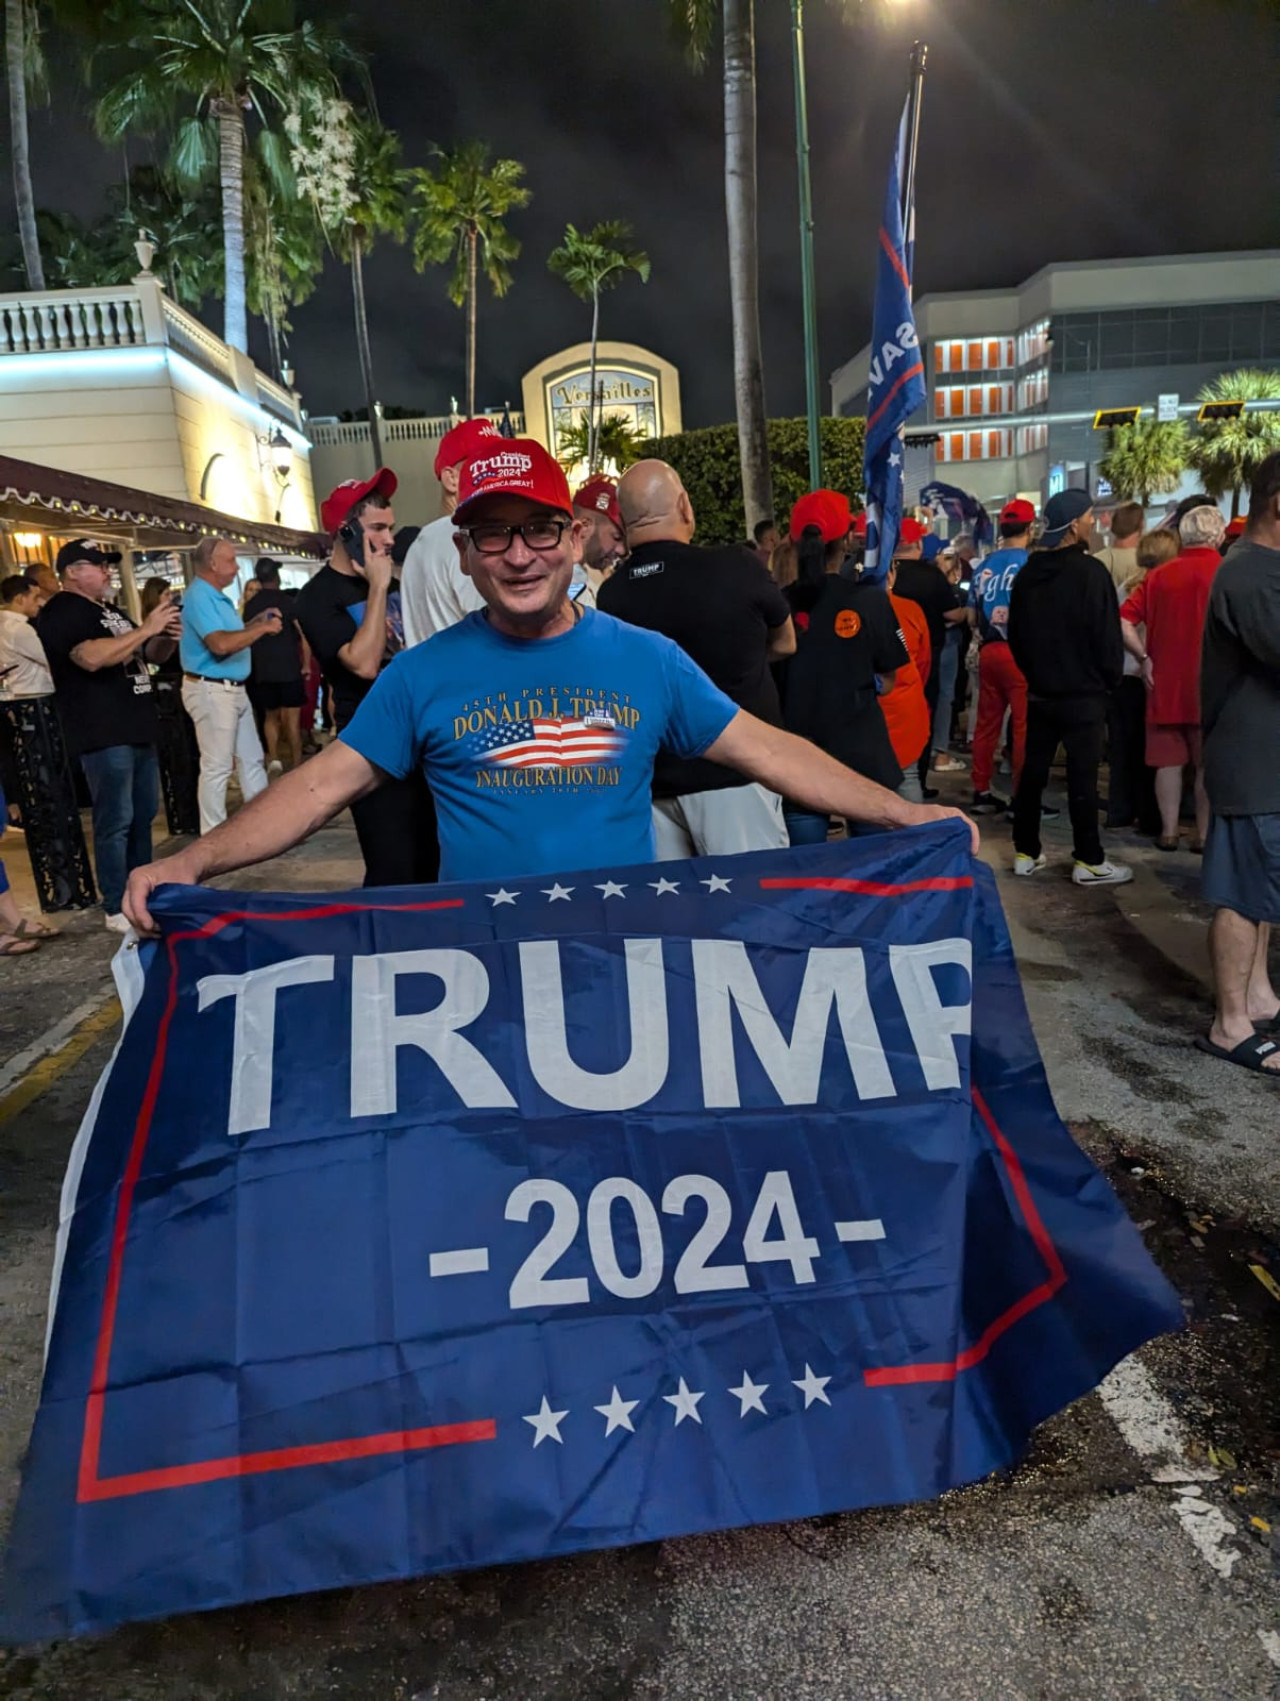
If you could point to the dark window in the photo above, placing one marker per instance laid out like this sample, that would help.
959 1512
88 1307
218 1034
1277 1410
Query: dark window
1184 336
1116 342
1215 334
1151 339
1246 331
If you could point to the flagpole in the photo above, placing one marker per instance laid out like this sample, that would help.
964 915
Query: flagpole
919 53
808 286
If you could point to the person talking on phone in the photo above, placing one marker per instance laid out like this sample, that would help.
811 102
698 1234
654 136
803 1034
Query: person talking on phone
350 615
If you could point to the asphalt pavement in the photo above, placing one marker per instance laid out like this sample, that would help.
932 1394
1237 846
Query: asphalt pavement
1132 1556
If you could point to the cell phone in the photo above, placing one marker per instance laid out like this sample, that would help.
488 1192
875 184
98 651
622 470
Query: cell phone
176 601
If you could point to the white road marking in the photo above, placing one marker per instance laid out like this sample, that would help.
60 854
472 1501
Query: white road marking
467 1261
1150 1425
52 1038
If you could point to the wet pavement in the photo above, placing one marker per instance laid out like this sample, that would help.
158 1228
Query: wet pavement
1097 1568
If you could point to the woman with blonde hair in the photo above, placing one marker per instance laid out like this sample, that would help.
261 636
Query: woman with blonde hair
1131 796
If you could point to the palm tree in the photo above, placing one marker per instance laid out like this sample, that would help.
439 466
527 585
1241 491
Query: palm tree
217 60
616 441
694 21
589 262
1145 459
21 59
1228 452
458 211
378 207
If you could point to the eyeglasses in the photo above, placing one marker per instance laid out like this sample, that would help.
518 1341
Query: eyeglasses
493 539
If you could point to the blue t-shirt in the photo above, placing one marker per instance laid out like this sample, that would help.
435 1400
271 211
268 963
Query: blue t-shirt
989 592
206 609
539 751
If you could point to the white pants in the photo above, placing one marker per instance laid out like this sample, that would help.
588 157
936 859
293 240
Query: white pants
228 738
718 823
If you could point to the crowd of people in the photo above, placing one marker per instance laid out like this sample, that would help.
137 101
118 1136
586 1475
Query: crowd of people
542 681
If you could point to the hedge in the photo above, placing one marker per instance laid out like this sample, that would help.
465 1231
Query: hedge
707 461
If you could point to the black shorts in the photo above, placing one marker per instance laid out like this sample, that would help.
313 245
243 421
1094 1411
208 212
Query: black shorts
267 694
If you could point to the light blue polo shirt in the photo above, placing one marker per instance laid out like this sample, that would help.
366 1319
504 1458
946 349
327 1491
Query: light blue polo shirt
206 609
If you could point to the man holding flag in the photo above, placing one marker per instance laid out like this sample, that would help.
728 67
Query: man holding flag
896 387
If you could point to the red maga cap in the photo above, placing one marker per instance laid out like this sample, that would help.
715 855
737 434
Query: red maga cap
1236 527
342 499
600 495
860 524
464 441
513 466
911 531
1018 513
827 510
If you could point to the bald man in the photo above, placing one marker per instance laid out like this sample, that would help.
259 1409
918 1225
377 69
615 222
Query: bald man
727 615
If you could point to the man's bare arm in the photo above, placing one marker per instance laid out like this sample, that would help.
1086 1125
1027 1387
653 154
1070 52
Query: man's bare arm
782 641
277 819
799 770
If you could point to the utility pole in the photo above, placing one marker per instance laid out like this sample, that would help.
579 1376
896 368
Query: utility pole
807 279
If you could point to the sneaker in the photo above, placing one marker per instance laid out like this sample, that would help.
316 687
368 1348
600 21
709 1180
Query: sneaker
274 769
987 803
1048 812
948 764
1025 866
119 923
1104 873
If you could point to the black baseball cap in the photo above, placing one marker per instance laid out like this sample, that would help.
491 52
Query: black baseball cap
85 549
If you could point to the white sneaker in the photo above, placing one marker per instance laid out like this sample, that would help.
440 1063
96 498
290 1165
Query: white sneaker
119 923
275 769
1027 865
1104 873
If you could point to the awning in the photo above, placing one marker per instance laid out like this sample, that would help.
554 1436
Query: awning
73 504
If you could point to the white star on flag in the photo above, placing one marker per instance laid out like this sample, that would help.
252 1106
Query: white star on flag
685 1402
664 885
618 1413
749 1394
557 891
546 1423
812 1387
501 897
895 459
717 883
611 889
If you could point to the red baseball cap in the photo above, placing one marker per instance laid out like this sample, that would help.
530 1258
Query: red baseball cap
911 531
1236 527
344 497
464 441
513 466
1018 512
602 495
860 524
827 510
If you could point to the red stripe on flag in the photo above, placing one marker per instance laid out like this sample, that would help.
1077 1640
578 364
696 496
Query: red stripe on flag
290 1458
895 259
89 1486
905 378
897 1375
875 888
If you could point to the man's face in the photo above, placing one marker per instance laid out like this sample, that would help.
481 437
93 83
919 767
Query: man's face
768 540
90 579
47 583
379 528
603 544
1083 527
28 604
908 551
222 565
525 585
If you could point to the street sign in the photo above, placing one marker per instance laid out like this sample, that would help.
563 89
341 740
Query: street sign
1167 409
1107 419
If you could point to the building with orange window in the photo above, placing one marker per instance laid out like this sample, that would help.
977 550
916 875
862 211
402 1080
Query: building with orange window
1016 375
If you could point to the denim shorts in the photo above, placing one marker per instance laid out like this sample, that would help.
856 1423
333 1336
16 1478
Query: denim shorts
1242 866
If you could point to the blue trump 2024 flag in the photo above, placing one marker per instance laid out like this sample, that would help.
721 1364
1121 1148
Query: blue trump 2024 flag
439 1227
896 386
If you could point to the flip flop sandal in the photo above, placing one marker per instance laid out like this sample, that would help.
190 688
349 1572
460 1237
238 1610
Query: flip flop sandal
1271 1028
27 929
12 946
1168 844
1251 1053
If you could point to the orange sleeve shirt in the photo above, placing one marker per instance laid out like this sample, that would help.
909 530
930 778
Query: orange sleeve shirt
906 713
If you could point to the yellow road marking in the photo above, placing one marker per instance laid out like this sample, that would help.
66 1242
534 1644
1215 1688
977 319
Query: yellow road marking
1267 1279
41 1076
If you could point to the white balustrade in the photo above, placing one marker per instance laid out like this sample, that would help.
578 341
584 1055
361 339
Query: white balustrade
330 434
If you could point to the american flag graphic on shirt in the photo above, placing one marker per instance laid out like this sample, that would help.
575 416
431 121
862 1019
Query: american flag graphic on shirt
551 742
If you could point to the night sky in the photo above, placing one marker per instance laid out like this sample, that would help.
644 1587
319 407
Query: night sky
1052 130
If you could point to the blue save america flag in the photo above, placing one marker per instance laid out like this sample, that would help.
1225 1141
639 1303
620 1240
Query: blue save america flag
454 1225
896 386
